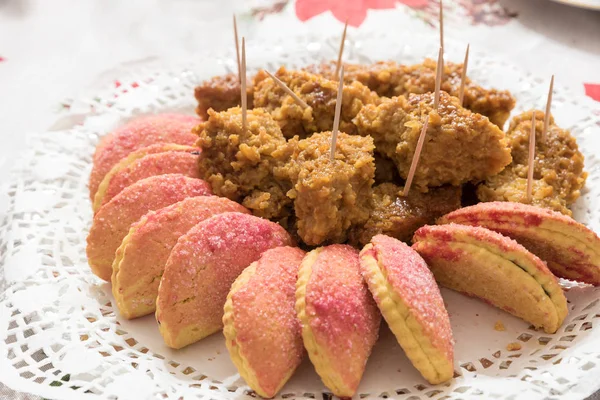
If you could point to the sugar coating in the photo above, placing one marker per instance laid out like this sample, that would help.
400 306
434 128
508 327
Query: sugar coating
267 330
201 268
342 316
112 222
410 277
141 258
169 162
138 133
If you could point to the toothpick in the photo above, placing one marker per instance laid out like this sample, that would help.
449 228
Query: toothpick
339 60
289 91
237 47
415 160
531 158
442 25
463 77
243 84
438 78
338 110
548 106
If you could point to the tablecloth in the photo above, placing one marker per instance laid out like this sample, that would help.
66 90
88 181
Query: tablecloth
52 52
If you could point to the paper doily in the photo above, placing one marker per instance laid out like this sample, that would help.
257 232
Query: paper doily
60 336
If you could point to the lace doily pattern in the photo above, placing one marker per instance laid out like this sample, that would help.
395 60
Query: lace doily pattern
61 336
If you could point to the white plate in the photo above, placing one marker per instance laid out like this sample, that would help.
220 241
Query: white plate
57 319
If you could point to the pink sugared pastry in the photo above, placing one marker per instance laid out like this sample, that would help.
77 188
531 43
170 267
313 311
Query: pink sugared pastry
410 301
261 329
201 268
112 222
141 258
571 249
483 263
158 159
340 320
138 133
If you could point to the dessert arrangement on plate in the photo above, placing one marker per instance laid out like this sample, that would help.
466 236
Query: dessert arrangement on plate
299 208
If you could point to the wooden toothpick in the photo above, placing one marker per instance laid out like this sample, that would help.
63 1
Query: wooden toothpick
338 111
463 77
438 78
237 47
531 158
339 60
548 106
415 160
243 85
289 91
442 25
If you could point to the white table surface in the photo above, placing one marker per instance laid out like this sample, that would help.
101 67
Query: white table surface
60 49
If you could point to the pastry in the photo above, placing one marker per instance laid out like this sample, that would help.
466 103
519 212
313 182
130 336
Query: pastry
201 268
410 301
495 268
261 329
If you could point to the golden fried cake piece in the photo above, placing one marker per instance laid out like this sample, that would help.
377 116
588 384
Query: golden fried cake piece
136 134
201 268
570 249
319 93
495 268
388 78
123 174
411 303
112 222
220 93
261 329
558 168
244 165
340 321
140 260
397 216
331 196
460 146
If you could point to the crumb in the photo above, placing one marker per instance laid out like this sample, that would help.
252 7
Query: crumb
477 315
499 326
399 370
514 346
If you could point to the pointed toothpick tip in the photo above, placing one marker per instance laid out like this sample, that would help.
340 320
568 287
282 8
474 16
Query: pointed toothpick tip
463 76
338 110
341 51
416 156
237 47
243 93
531 158
548 109
438 79
289 91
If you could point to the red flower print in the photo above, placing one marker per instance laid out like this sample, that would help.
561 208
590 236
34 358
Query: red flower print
592 90
353 11
2 59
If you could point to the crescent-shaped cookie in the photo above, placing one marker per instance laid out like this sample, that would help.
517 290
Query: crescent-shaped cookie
409 299
141 258
495 268
571 250
201 268
261 329
135 134
112 222
340 320
146 162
